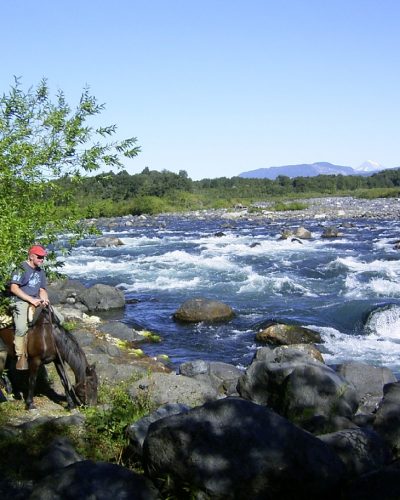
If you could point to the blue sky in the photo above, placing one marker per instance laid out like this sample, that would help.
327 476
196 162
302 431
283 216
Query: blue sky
218 87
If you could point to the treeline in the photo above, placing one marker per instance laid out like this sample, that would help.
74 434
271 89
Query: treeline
111 194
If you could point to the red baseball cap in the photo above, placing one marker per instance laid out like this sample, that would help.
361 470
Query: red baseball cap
38 250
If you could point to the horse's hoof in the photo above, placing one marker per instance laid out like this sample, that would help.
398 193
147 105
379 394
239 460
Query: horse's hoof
30 407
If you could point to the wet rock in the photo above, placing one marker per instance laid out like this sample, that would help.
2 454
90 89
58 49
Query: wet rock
108 242
284 334
197 310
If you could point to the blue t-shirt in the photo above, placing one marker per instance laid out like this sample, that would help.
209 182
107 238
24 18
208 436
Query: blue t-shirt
29 279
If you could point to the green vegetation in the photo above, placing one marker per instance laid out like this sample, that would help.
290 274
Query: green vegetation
152 192
42 139
105 426
103 436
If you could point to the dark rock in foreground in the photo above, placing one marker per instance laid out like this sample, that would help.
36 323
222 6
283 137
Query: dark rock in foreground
236 449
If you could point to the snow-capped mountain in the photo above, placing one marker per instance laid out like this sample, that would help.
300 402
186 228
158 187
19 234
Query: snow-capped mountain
370 166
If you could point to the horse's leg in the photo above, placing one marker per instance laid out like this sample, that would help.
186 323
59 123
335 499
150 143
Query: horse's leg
34 364
64 381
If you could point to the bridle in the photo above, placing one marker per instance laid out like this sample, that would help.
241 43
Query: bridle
69 387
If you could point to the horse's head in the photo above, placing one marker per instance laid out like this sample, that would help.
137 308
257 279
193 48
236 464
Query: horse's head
87 390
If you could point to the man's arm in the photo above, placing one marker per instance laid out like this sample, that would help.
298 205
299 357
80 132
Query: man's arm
16 290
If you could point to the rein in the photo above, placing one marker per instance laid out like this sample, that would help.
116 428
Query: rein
68 384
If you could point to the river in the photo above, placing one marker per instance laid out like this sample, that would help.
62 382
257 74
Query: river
327 284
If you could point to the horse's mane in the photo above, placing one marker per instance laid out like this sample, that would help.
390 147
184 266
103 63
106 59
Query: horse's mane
69 348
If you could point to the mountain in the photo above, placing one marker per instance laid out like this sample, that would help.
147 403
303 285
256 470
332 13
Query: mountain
370 166
310 170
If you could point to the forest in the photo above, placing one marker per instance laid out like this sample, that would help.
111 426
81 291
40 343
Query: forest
150 192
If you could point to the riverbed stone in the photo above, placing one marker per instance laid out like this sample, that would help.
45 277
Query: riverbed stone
162 388
202 309
368 381
284 334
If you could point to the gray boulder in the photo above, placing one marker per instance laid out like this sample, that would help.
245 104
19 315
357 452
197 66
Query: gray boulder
200 309
382 484
60 291
102 298
284 334
331 232
59 454
235 449
222 376
138 431
108 241
368 381
121 331
362 451
99 480
162 388
300 390
387 419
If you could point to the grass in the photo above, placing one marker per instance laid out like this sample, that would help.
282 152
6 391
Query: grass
103 436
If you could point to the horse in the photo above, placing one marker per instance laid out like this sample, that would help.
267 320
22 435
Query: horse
48 341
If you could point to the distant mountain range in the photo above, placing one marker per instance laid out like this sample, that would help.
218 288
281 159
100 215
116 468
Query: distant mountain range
369 167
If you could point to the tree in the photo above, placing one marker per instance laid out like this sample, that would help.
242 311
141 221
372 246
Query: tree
42 139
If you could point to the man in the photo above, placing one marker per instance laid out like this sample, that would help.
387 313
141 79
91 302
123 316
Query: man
28 285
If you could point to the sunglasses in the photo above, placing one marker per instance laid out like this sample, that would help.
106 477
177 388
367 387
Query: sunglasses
40 257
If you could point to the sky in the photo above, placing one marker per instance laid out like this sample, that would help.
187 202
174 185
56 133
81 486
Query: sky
220 87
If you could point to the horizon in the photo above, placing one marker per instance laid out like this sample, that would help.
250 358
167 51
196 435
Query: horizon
221 88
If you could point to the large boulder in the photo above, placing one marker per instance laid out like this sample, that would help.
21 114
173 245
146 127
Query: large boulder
98 480
108 241
200 309
64 291
284 334
235 449
162 388
387 419
222 376
300 389
102 298
368 381
137 431
361 450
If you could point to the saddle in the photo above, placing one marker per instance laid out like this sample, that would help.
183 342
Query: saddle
7 320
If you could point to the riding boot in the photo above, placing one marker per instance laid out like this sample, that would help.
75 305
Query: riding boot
20 350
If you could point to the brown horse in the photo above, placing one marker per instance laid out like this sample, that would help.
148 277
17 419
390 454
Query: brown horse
48 342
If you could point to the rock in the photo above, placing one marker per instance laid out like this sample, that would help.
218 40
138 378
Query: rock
99 480
361 450
102 298
193 368
235 449
162 388
59 454
61 290
331 232
387 419
196 310
382 484
368 381
222 376
299 390
121 331
137 432
283 334
302 233
108 241
308 349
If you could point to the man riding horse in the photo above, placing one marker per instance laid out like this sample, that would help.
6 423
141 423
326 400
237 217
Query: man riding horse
28 287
